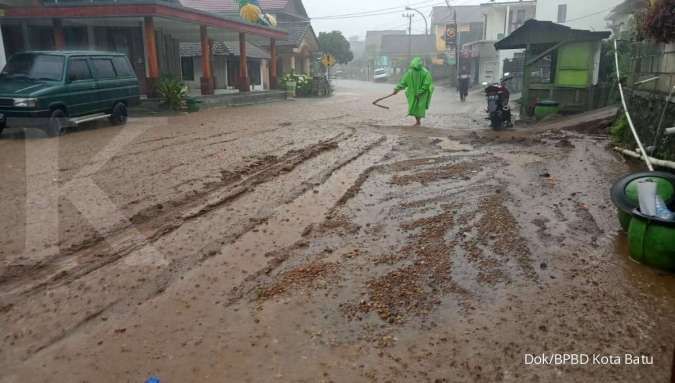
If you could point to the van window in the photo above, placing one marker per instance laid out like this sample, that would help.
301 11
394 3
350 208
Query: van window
104 68
35 66
78 69
122 67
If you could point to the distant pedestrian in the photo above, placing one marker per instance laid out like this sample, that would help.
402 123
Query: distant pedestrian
419 88
463 83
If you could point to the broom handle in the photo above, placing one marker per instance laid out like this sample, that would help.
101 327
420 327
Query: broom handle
384 98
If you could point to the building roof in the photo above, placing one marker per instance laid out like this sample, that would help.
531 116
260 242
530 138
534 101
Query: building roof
155 8
232 6
465 14
374 39
225 48
546 32
252 51
296 32
397 45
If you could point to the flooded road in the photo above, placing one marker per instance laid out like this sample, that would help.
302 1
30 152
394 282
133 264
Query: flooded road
321 240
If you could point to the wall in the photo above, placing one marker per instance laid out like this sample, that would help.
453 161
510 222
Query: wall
495 18
219 69
503 20
581 14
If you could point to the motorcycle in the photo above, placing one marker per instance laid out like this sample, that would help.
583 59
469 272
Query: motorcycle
498 96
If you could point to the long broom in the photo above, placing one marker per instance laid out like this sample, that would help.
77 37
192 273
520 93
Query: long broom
376 102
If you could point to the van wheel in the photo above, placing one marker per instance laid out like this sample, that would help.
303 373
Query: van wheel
57 123
119 114
2 127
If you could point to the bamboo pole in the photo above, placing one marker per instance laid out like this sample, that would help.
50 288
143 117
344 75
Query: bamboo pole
625 109
655 161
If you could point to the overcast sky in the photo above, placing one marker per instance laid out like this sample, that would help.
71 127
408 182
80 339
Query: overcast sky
389 15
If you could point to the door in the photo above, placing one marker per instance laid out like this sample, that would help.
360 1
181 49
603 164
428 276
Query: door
81 89
106 82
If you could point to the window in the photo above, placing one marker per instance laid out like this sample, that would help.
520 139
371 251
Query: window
78 69
187 68
122 67
36 67
562 13
520 16
104 68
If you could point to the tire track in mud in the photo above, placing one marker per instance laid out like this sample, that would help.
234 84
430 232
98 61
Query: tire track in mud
48 271
210 249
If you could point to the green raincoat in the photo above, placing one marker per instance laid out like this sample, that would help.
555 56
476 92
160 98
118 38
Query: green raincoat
418 87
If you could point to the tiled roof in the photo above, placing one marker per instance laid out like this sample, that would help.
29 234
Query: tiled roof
252 51
227 48
296 32
232 6
195 49
397 45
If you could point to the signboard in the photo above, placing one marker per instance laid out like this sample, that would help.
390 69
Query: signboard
451 44
328 60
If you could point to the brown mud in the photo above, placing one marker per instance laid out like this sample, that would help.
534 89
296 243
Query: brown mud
265 244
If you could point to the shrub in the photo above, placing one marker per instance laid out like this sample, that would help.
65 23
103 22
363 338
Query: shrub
304 83
619 129
172 92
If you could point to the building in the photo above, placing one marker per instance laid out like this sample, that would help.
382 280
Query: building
501 19
225 63
468 22
469 19
577 14
561 64
149 31
297 51
399 50
373 47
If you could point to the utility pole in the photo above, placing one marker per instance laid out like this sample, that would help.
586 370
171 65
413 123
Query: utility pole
410 16
426 22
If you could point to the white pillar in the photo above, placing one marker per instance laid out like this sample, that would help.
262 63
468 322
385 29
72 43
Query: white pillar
293 63
3 56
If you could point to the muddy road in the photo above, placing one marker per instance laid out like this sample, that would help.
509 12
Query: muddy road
321 241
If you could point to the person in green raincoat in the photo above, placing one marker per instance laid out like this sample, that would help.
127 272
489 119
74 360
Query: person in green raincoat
418 87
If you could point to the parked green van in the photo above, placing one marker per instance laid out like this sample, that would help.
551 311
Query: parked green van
57 89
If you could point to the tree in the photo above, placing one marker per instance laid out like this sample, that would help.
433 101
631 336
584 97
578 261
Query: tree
337 45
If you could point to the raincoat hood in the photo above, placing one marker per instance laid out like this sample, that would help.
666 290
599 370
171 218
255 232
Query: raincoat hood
417 64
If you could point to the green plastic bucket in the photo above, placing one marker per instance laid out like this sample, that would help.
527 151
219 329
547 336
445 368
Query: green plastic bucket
652 242
546 108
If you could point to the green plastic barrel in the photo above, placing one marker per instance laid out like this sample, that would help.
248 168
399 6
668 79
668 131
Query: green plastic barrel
546 108
652 243
625 193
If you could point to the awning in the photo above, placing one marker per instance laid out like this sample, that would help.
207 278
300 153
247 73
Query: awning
535 32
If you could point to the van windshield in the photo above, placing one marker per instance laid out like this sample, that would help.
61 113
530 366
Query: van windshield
35 67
